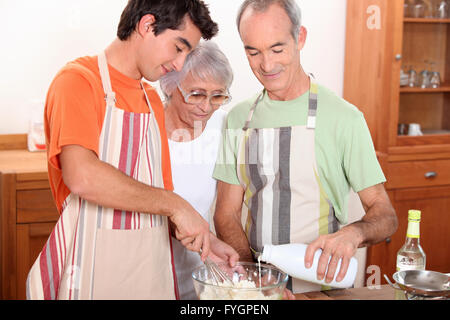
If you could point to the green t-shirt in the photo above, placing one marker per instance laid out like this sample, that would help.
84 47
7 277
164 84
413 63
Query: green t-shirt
345 153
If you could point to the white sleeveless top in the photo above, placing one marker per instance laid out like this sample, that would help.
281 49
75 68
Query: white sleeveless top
192 168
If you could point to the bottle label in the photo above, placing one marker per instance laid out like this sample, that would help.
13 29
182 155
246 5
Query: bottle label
413 229
409 263
404 267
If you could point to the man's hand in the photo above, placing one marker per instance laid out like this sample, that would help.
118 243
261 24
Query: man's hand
379 222
337 246
190 228
222 252
288 295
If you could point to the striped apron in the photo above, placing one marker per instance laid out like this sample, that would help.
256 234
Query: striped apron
284 198
96 252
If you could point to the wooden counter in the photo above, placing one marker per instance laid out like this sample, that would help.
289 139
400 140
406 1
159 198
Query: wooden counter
385 292
23 161
28 166
27 217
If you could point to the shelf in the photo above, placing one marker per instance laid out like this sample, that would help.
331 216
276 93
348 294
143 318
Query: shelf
436 131
429 132
444 88
425 20
427 139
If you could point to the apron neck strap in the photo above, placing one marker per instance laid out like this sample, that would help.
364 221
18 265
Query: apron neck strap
110 96
146 98
252 110
312 105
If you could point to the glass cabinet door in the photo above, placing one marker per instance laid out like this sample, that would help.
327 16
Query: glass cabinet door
424 103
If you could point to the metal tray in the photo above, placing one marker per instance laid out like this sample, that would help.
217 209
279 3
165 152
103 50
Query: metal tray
422 283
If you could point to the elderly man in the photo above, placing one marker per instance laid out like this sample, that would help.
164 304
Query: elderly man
291 154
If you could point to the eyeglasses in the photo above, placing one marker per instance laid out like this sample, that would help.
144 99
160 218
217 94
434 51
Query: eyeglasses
200 96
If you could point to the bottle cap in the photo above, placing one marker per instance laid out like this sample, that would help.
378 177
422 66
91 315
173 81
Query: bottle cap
414 215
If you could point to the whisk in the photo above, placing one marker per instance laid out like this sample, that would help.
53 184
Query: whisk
217 274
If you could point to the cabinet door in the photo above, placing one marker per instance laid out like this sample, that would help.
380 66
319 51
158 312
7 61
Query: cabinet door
434 229
36 205
373 63
31 239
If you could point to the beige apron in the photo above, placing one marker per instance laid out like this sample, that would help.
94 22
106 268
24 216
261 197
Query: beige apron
102 253
283 195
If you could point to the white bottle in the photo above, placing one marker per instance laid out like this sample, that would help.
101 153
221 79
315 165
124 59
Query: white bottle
290 258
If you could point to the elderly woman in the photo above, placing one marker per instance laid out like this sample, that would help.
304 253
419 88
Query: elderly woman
194 123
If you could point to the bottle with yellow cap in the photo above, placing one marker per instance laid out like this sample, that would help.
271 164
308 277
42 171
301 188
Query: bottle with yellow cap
411 255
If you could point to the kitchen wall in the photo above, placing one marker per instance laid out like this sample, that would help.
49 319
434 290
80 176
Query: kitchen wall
43 35
39 37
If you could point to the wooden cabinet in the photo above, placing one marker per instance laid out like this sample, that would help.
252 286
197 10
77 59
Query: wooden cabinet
408 174
27 217
380 43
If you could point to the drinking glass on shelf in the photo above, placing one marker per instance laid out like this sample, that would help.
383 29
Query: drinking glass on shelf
404 76
428 8
442 10
418 9
414 130
407 9
435 81
402 129
424 79
412 81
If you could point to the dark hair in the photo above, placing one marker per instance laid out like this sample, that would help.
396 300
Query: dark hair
169 14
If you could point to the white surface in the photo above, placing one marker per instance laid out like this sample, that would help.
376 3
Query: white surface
290 258
41 36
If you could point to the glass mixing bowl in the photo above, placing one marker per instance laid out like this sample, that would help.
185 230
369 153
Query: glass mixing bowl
248 283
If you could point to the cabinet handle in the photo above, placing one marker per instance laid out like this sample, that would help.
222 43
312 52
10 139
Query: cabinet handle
398 57
430 175
388 240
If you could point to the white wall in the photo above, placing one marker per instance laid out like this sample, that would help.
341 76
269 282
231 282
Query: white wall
39 37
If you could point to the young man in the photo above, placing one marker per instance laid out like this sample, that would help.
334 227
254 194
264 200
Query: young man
109 165
292 153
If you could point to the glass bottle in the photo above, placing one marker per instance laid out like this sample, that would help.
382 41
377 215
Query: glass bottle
411 255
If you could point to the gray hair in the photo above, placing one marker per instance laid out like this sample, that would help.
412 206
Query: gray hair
205 62
290 6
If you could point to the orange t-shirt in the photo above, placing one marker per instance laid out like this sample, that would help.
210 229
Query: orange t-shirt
75 109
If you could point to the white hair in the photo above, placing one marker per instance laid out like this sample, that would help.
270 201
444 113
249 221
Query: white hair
206 62
290 7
